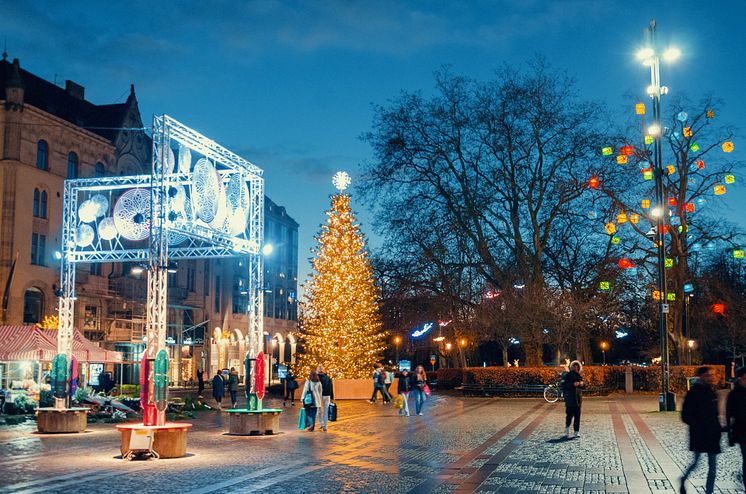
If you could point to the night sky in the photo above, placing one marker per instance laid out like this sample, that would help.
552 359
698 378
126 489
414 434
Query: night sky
291 85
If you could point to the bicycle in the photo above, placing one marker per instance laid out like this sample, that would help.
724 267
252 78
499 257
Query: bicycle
553 392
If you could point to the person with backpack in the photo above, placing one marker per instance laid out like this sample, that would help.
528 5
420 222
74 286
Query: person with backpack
312 399
378 380
290 386
327 396
572 387
404 388
700 413
419 382
736 414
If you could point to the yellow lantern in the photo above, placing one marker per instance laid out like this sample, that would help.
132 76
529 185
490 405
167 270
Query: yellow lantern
645 203
671 169
729 179
610 228
640 108
621 159
687 131
728 146
719 190
648 140
621 218
634 218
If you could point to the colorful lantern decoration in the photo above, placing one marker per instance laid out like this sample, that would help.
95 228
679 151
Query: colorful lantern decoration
671 297
625 263
645 203
729 179
710 114
700 164
738 254
656 295
604 285
621 217
688 287
675 220
672 201
610 228
640 108
621 159
647 174
634 218
689 207
626 150
669 262
694 147
687 131
682 116
671 169
648 140
615 240
719 190
683 228
593 183
718 308
607 151
728 146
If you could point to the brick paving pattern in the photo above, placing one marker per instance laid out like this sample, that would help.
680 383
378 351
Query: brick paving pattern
460 445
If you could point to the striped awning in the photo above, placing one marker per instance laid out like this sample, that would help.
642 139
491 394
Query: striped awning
25 343
84 349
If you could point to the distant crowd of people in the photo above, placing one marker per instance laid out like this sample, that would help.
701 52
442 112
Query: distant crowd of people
414 383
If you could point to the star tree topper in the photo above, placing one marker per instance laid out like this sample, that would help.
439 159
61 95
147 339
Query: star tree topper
341 180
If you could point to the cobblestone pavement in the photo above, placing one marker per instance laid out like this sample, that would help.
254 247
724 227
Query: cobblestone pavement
458 445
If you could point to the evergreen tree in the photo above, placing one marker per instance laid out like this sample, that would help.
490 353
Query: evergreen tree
341 326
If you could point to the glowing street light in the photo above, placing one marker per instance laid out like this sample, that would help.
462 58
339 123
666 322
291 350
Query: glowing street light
604 347
267 249
448 346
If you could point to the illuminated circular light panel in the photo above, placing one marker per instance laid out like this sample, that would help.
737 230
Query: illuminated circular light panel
179 218
132 214
101 203
176 196
185 159
205 190
84 235
222 213
341 181
237 194
87 211
171 161
107 230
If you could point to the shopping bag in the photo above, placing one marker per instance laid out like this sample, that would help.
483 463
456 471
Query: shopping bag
302 419
427 390
399 401
332 412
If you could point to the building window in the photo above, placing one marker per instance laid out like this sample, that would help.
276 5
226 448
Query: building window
42 155
72 165
100 172
206 279
33 303
217 294
240 295
190 278
38 249
43 204
96 268
37 196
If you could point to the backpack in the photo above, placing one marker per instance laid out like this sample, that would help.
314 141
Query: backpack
382 377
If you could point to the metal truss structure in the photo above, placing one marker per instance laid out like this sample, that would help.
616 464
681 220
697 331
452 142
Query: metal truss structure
180 221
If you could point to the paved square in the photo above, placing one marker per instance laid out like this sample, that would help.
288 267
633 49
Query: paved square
459 445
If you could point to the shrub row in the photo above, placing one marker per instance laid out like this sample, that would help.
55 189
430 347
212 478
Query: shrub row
610 377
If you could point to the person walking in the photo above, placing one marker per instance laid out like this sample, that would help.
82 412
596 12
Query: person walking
700 413
388 381
291 384
378 379
233 386
312 399
218 388
572 388
419 381
200 383
404 388
327 396
735 411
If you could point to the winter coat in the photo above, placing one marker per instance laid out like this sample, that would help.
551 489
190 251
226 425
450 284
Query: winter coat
700 413
573 394
315 390
327 386
736 413
233 381
405 383
418 384
218 387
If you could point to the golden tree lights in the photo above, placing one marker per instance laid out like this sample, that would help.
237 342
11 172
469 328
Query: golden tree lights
341 327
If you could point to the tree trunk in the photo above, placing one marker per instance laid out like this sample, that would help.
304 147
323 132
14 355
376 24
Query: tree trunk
534 355
505 354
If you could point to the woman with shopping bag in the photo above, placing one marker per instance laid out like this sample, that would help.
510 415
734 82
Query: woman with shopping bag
312 399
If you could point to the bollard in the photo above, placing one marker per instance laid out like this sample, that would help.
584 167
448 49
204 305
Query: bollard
628 384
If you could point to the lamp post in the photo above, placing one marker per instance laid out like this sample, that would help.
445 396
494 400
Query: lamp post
690 345
604 347
650 57
397 341
448 349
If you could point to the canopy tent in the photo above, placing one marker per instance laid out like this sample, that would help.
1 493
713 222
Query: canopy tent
84 349
18 343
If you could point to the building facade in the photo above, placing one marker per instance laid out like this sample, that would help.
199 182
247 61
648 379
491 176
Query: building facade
49 134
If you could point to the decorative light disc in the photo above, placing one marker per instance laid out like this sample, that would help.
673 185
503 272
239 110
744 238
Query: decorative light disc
205 190
107 230
132 214
341 180
185 159
87 211
101 203
84 235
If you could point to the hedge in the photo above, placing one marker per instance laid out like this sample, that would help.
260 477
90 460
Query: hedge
610 377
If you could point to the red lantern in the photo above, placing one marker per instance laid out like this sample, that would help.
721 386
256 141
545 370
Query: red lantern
672 201
701 165
718 308
689 206
593 183
625 263
626 150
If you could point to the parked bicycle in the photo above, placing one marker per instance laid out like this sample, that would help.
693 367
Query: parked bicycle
553 392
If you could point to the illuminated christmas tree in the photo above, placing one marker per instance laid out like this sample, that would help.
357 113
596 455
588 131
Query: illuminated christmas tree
341 327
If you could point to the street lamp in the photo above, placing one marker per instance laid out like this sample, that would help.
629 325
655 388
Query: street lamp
650 57
604 347
690 345
397 341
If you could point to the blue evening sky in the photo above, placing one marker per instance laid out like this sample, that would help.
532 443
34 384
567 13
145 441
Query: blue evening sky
290 85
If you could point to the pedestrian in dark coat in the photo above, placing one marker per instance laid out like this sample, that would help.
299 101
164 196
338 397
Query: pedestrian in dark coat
736 414
218 388
572 389
233 386
200 383
700 413
405 387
